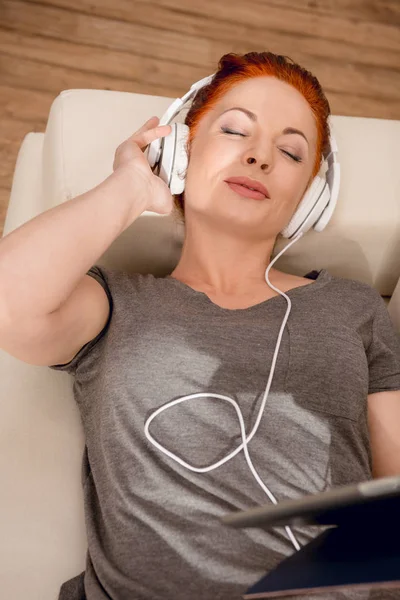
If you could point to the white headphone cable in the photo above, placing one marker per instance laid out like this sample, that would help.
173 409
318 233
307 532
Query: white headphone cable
238 411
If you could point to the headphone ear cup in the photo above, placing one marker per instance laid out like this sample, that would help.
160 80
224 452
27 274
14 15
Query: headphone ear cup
310 208
180 159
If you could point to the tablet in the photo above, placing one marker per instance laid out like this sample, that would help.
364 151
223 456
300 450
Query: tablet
374 502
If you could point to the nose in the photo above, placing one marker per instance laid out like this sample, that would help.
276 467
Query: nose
260 154
251 160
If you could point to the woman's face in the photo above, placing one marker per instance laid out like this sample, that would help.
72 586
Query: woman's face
217 155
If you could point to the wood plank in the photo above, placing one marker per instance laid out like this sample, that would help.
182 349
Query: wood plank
24 104
194 19
351 105
105 33
345 76
12 133
19 72
47 77
378 11
288 20
4 200
102 61
36 75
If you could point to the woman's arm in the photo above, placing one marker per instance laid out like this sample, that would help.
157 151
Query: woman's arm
384 429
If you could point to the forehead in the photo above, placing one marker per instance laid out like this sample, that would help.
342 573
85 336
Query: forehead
274 102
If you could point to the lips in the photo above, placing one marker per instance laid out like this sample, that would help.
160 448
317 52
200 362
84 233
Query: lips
249 183
246 192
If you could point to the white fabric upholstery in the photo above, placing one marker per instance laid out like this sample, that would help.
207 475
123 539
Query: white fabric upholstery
42 528
43 540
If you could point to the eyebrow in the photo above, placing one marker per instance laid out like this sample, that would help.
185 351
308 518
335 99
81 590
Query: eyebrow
253 117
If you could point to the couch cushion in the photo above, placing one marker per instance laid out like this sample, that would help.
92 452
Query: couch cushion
362 241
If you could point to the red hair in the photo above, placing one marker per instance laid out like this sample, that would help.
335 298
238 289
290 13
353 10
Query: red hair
235 68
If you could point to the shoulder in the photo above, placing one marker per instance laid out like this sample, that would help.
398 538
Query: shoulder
340 293
354 288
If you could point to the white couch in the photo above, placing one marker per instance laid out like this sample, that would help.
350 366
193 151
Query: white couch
42 532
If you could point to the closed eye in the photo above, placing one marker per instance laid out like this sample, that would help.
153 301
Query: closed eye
230 132
224 130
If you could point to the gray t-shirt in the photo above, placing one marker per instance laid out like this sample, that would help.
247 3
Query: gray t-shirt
153 526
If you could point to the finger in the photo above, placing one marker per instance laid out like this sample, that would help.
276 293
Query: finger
144 138
148 124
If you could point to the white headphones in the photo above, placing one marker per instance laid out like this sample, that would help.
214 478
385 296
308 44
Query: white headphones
167 156
315 210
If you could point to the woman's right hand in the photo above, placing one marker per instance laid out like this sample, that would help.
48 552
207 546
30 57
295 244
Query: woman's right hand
130 160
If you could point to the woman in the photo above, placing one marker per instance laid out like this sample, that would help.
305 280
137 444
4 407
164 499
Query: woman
153 526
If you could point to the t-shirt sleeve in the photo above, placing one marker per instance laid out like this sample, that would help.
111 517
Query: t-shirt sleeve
383 352
100 275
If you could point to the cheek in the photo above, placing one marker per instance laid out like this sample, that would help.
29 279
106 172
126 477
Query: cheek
287 189
290 187
208 164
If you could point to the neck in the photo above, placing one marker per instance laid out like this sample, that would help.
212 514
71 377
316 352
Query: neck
222 263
